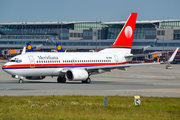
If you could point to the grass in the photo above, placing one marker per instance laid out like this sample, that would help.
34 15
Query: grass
88 108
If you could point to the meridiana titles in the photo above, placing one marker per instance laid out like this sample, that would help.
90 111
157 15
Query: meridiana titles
48 57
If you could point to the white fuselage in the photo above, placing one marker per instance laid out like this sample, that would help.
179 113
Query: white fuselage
50 64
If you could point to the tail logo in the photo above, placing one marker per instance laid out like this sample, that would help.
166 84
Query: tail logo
29 47
58 47
128 31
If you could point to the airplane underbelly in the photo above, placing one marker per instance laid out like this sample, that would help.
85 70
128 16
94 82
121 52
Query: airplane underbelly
44 72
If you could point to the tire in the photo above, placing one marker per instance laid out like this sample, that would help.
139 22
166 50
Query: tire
20 81
61 79
88 80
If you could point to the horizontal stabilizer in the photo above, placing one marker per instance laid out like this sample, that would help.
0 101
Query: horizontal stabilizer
139 55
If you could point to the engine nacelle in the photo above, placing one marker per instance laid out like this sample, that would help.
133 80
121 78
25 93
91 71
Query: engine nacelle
77 74
35 77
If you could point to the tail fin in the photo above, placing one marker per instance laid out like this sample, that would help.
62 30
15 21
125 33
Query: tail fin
29 47
23 51
125 37
59 48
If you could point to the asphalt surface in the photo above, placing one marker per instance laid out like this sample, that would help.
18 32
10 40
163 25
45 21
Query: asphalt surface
152 80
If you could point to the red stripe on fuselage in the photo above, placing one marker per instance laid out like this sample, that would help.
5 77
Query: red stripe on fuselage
61 65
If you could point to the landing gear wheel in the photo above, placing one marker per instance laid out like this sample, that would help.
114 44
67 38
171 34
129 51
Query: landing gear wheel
61 79
88 80
20 81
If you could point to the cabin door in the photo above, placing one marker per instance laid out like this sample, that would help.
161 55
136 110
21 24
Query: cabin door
116 59
32 62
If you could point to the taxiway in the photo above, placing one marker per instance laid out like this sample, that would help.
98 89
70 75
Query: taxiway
152 80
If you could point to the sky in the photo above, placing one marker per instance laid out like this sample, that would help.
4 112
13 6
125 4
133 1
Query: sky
87 10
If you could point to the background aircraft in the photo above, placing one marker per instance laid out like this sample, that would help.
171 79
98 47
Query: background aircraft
30 48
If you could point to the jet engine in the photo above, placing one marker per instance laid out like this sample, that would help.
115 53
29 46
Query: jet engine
77 74
35 77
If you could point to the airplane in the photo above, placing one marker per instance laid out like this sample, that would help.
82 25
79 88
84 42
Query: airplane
30 48
59 48
77 66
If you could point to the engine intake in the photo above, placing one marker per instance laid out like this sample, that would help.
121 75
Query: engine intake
77 74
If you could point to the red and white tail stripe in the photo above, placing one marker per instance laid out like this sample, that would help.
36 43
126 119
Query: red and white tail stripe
125 37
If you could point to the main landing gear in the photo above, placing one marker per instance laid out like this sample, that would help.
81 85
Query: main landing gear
61 79
21 81
88 80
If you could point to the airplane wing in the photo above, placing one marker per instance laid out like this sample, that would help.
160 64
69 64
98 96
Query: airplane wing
100 69
121 67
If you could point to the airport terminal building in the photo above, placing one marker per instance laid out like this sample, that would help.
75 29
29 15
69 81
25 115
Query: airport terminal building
149 36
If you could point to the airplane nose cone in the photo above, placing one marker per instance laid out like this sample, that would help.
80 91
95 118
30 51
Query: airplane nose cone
5 68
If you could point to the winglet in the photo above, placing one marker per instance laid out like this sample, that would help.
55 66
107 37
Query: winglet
172 56
29 47
23 51
59 48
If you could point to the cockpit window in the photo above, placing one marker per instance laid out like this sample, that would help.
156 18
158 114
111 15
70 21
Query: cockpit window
16 60
12 60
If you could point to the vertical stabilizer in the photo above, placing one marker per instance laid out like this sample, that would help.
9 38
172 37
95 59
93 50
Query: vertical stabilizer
125 37
29 47
59 48
23 51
